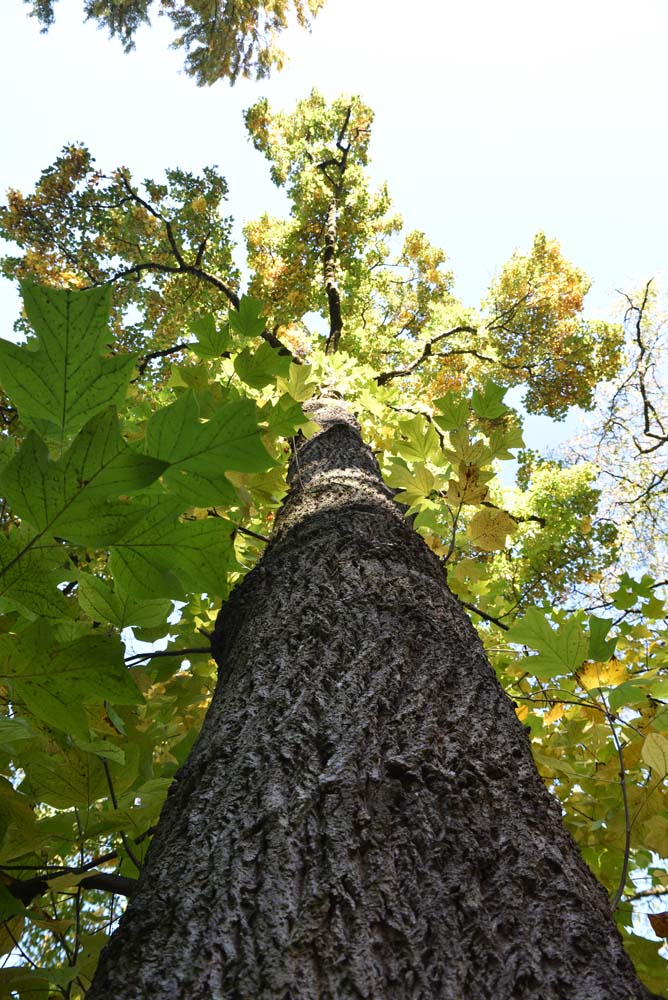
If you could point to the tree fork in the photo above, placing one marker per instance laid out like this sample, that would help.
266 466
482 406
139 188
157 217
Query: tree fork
360 816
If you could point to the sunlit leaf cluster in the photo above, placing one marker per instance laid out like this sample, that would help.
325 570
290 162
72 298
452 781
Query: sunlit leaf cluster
539 330
220 40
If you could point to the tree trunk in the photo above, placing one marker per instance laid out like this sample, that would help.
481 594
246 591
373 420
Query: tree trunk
360 816
331 283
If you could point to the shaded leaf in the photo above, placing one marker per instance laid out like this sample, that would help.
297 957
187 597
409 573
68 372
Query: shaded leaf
259 367
600 648
27 579
102 604
211 341
66 778
55 681
200 453
489 403
165 557
247 319
74 498
453 411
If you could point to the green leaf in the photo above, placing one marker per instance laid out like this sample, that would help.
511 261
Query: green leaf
74 498
453 411
19 980
248 319
502 439
65 381
633 692
100 603
211 342
560 650
261 366
600 649
199 454
421 440
297 383
55 681
554 763
488 403
18 827
415 486
14 730
108 467
103 749
165 557
66 778
27 575
284 416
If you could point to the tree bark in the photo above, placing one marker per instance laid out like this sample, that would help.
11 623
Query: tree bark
331 283
360 816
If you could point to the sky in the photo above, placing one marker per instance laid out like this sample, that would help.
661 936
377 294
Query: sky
493 121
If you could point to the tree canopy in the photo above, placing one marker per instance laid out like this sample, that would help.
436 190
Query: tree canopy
221 40
148 417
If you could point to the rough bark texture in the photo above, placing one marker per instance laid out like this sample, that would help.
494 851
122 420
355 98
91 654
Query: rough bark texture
360 816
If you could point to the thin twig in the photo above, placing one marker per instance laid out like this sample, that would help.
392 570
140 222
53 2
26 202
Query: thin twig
191 650
484 615
251 534
385 377
143 364
126 843
627 818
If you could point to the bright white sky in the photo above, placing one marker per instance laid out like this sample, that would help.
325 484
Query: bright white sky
493 120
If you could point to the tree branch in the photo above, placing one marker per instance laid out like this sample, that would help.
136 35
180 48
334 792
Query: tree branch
386 377
627 818
29 889
143 364
183 267
484 615
168 652
647 894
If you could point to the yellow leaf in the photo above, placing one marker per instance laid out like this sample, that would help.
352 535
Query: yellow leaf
554 714
297 383
437 546
609 674
489 527
70 880
463 450
467 489
654 835
655 753
521 712
10 932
